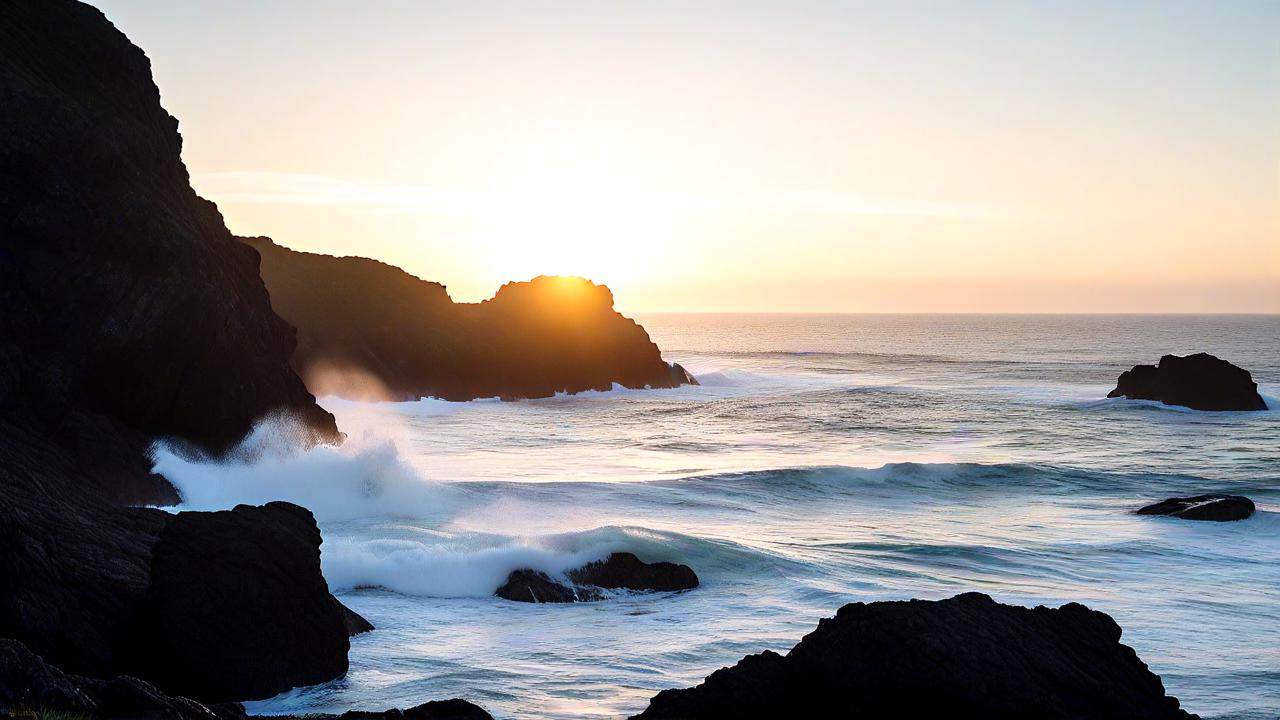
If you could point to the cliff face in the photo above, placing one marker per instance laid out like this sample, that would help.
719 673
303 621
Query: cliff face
532 339
124 293
129 312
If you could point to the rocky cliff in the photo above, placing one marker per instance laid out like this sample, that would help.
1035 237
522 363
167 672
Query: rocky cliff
366 327
130 313
124 293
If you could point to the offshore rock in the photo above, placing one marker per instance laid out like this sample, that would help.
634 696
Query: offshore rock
620 571
1200 382
1219 508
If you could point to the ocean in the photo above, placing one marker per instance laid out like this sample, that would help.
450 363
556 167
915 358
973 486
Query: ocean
825 459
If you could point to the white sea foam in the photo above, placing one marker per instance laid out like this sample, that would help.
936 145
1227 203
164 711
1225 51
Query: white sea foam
364 477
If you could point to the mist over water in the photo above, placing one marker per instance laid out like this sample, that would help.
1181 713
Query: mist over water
824 460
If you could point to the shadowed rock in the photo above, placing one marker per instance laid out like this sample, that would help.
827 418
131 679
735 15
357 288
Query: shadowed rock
353 621
29 684
626 571
237 608
1200 382
130 313
365 328
963 657
1220 508
620 571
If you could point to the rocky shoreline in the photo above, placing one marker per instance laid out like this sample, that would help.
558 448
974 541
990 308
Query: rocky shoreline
133 314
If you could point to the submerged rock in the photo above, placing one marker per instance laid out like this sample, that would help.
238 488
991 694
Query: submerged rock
620 571
366 329
1220 508
238 609
967 656
1200 382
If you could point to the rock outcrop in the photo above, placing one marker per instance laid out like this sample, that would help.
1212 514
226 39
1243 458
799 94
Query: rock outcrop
124 293
620 571
1200 382
131 313
237 608
967 656
29 684
1220 508
364 323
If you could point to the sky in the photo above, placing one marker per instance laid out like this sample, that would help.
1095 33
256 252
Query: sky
750 156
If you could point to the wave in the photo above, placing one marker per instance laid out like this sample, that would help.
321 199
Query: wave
1272 403
365 476
475 565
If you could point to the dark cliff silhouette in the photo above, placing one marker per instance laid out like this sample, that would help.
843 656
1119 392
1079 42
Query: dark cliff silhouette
130 313
362 319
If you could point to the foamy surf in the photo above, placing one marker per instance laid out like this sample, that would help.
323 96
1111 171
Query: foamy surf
364 477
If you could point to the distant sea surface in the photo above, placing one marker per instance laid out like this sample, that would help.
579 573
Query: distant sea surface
825 459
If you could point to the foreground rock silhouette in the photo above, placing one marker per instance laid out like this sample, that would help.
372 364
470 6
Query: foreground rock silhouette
367 328
1200 382
237 608
967 656
29 684
1220 508
131 313
619 571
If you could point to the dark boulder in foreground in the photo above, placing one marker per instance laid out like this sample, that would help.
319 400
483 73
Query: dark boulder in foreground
238 609
620 571
1200 382
967 656
366 329
29 684
1221 508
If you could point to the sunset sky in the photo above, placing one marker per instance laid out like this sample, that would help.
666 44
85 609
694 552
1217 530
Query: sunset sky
746 156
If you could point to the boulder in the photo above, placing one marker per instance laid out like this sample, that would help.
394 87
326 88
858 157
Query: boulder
1219 508
625 571
367 328
1200 382
532 586
967 657
620 571
237 608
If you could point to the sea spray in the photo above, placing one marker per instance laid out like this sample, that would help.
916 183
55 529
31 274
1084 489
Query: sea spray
364 477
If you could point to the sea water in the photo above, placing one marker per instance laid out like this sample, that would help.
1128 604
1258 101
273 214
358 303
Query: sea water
825 459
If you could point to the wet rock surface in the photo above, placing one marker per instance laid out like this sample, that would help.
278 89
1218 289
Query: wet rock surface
620 571
1220 508
967 656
